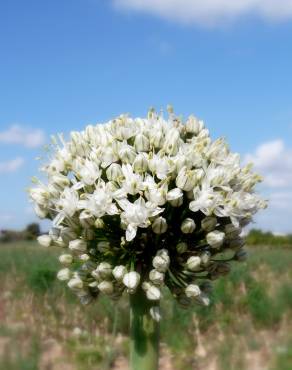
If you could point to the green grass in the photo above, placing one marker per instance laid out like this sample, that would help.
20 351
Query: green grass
255 296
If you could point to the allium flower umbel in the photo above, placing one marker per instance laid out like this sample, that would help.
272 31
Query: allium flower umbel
144 203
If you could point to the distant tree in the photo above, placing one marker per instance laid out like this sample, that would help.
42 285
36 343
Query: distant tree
32 231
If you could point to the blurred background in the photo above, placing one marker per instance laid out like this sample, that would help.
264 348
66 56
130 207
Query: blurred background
65 64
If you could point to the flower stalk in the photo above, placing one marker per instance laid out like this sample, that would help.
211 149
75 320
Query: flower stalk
144 333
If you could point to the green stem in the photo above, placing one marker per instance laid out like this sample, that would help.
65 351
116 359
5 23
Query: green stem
144 333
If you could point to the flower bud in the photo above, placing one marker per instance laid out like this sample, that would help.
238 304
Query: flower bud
181 247
186 179
203 300
44 240
193 125
127 154
192 291
84 257
193 263
88 234
75 283
114 172
232 232
64 274
86 219
161 263
40 211
106 287
215 239
131 280
155 313
159 226
104 269
205 258
157 138
99 224
66 259
78 245
162 252
156 277
141 143
153 293
175 197
140 163
119 272
209 223
67 234
188 226
103 246
236 243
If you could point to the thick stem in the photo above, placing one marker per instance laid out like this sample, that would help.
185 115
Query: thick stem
144 332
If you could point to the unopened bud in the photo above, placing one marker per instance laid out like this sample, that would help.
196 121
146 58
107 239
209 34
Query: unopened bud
159 226
215 239
193 263
44 240
188 226
192 291
64 274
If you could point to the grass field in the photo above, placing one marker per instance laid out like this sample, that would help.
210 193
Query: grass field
43 327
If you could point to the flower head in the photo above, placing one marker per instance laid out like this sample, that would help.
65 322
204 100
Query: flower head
143 203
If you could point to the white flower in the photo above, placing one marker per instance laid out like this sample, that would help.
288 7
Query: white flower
215 238
140 163
188 226
159 226
44 240
131 280
193 125
133 183
68 202
141 143
114 186
186 179
114 172
99 202
136 215
194 263
88 171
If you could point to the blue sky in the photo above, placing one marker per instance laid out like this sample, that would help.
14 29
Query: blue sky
65 64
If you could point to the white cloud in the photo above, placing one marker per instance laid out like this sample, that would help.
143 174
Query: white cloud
12 165
274 161
17 134
210 12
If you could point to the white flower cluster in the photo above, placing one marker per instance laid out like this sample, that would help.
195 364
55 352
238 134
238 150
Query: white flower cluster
146 203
